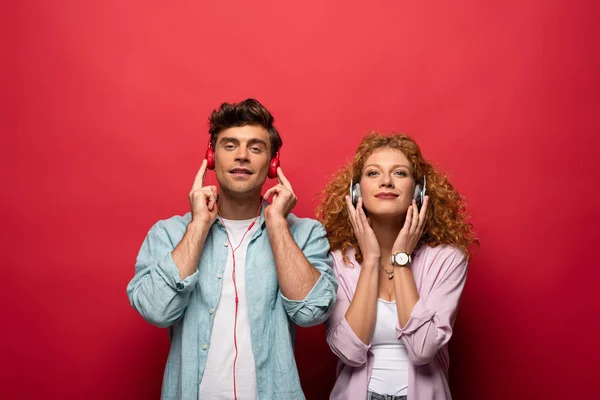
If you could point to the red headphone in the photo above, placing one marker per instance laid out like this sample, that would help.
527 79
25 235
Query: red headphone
210 158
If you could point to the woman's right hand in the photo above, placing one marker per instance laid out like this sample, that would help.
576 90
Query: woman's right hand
361 225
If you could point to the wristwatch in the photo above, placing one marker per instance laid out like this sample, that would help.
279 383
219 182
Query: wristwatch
400 259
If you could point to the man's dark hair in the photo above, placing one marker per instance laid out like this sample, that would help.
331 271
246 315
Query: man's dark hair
247 112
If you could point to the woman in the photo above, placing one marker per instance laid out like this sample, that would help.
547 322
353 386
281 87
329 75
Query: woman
401 271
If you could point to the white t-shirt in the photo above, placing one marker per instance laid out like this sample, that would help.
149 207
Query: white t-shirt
391 363
217 382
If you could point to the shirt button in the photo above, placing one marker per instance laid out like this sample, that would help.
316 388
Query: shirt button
179 285
204 347
212 310
226 244
218 276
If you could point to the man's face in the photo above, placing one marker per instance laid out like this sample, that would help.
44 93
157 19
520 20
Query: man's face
242 157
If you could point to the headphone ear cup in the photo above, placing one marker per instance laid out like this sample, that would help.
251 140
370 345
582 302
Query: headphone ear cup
273 167
210 158
422 190
417 191
355 194
418 196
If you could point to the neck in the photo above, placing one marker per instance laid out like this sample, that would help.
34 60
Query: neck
386 230
238 206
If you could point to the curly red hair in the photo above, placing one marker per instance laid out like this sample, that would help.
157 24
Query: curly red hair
447 220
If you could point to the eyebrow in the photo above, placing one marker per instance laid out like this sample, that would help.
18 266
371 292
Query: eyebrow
228 139
257 141
393 166
236 141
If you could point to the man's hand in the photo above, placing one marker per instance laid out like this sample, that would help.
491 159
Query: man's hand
203 199
284 198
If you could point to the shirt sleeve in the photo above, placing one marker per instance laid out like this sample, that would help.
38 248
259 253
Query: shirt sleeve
157 291
317 305
341 338
429 326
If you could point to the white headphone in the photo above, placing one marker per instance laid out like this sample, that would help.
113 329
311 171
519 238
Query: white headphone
419 194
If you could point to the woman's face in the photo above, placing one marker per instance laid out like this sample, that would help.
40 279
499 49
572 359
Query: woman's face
386 184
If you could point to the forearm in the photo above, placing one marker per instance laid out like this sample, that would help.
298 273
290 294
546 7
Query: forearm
295 274
187 253
361 314
406 293
159 301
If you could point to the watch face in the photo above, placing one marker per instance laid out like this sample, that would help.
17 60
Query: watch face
401 258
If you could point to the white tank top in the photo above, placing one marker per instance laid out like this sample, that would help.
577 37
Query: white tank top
390 368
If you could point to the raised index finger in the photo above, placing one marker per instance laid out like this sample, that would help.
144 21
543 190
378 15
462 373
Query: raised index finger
199 179
283 180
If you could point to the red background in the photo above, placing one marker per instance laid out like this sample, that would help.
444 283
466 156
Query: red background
104 127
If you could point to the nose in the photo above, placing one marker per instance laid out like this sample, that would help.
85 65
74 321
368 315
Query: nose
242 154
386 181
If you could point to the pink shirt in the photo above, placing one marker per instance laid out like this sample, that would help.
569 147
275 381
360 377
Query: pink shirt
440 274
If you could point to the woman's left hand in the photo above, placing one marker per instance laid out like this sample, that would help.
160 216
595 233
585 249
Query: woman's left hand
411 232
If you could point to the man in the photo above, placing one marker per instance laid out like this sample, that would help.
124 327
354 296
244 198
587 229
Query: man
231 277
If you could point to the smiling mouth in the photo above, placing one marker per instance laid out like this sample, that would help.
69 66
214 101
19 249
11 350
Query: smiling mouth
386 196
240 171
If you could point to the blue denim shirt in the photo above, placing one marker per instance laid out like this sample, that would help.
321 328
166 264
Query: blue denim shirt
163 299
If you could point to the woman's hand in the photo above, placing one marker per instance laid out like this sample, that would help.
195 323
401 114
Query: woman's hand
361 225
411 232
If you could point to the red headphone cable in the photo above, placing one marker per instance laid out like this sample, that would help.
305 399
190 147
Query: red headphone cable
235 288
